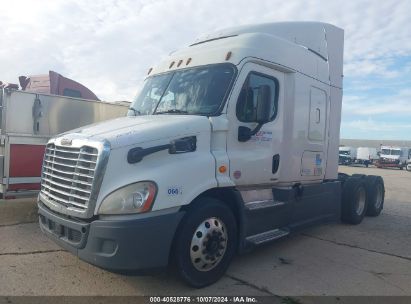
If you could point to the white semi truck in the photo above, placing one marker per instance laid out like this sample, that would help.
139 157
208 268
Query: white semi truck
347 155
231 143
394 157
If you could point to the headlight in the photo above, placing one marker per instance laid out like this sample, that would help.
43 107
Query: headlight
134 198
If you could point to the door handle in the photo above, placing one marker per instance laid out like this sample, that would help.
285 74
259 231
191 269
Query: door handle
276 163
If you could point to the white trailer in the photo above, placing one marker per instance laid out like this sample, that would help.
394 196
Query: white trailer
27 122
366 155
238 147
394 157
347 155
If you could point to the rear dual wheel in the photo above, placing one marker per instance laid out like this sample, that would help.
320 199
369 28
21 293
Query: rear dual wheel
354 200
375 195
362 195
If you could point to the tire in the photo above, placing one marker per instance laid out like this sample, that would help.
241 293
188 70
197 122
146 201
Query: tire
343 177
375 195
353 202
362 176
207 233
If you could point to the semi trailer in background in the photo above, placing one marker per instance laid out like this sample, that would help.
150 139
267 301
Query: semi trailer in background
30 116
393 157
347 155
366 156
237 147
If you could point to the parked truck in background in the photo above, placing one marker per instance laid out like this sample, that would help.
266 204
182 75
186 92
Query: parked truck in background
366 156
393 157
30 116
347 155
231 143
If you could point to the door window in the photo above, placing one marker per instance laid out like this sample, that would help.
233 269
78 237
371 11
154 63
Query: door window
247 101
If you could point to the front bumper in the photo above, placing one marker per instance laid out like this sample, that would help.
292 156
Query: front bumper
343 160
385 162
140 243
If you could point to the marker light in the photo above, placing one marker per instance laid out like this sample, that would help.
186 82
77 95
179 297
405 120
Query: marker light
134 198
222 169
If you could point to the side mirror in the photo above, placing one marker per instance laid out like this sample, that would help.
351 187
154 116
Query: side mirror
183 145
263 111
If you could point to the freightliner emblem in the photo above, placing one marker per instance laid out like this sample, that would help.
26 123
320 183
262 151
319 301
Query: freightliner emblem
66 142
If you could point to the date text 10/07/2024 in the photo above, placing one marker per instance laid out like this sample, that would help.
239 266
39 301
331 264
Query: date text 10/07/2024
205 299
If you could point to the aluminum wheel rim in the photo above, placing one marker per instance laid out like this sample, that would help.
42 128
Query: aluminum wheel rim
378 199
360 204
208 244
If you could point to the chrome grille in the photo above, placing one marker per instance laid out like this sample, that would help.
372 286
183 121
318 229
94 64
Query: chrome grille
68 175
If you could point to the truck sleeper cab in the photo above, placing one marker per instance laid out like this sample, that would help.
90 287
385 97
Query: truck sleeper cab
231 143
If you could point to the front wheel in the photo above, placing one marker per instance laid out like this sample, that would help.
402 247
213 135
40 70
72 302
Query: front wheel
205 242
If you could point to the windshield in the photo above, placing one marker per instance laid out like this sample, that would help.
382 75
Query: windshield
344 152
391 152
200 90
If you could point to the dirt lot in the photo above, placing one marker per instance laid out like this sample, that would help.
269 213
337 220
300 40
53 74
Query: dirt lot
373 258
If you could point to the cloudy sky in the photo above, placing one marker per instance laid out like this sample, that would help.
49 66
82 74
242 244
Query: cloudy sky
108 45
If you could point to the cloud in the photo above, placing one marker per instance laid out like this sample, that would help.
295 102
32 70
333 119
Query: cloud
376 67
381 126
109 45
398 104
375 129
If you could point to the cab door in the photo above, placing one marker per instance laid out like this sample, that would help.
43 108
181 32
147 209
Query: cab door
257 160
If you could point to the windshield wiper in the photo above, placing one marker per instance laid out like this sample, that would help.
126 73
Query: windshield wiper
176 111
136 112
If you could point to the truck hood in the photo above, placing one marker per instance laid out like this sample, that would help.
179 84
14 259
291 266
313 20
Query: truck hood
130 130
